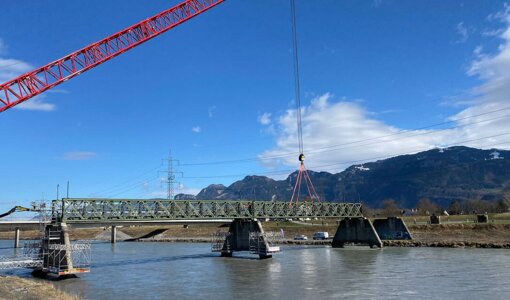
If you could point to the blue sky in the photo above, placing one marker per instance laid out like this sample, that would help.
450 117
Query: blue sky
219 88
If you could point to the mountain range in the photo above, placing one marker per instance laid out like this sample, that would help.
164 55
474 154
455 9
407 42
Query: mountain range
441 175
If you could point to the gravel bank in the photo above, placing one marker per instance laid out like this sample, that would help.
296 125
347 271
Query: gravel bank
14 288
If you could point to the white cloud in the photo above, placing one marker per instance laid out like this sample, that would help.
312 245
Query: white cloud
502 15
57 91
79 155
36 103
157 194
338 134
182 189
179 189
265 118
11 68
332 131
493 32
211 110
196 129
462 31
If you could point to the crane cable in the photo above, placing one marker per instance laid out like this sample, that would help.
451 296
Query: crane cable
297 85
302 172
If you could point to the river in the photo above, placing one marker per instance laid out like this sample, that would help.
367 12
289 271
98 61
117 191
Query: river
191 271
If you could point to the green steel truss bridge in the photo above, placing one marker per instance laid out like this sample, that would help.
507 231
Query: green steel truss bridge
71 210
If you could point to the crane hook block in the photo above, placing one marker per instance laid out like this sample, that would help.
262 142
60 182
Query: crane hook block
301 157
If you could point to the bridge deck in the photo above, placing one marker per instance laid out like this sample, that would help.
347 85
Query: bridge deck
111 210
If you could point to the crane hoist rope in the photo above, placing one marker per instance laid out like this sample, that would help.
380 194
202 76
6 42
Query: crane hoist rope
302 172
297 85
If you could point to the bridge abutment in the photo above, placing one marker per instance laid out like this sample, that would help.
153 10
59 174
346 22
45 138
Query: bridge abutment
392 228
358 231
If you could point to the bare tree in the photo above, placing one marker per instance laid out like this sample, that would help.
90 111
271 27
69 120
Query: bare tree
454 208
427 207
390 208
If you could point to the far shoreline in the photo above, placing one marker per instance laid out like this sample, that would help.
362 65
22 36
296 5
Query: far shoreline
386 243
452 235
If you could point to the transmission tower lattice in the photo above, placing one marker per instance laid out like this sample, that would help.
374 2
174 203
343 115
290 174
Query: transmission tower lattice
170 178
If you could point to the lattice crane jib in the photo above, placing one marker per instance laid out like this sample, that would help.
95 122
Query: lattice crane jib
35 82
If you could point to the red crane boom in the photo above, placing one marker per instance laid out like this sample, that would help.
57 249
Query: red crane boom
32 83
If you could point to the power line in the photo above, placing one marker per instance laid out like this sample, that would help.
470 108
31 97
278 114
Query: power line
407 137
122 185
129 185
431 126
323 167
340 146
416 150
132 187
287 171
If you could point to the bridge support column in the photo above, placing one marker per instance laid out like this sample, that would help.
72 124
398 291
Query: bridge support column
239 239
16 238
356 230
392 228
114 235
56 251
67 243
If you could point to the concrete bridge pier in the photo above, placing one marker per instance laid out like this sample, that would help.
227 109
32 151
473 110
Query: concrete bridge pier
16 238
392 228
358 231
56 251
239 239
114 235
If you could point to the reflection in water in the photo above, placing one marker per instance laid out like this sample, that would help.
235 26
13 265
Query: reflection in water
190 271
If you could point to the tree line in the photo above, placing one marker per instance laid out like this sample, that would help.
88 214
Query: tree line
425 206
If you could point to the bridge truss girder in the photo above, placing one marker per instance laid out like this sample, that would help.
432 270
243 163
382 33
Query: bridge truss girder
111 210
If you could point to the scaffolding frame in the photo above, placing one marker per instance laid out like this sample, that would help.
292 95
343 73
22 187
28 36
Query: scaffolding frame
67 259
18 262
221 241
262 243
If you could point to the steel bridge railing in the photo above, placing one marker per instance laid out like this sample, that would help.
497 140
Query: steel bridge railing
109 210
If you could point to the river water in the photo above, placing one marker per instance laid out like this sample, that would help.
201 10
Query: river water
191 271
